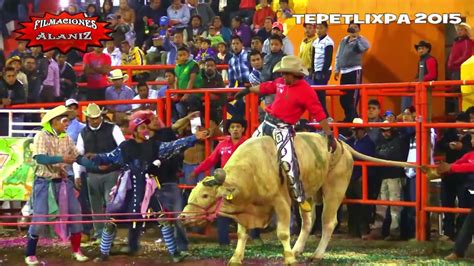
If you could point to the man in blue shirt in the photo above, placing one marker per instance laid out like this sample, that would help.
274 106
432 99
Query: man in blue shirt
119 91
75 126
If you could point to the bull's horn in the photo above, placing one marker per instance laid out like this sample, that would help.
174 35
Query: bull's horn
219 176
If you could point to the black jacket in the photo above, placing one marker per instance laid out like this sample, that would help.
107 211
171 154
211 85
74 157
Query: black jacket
451 135
395 149
15 92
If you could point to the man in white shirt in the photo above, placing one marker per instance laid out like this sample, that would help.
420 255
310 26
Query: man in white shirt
114 53
323 48
98 136
144 92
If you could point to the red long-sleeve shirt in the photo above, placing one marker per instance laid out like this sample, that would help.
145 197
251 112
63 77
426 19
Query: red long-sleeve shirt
464 165
260 15
292 101
432 69
460 52
222 151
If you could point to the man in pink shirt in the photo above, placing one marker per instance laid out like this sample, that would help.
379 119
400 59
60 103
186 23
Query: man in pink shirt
293 96
97 66
51 85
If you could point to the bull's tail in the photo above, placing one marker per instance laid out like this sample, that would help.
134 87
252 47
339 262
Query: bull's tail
364 157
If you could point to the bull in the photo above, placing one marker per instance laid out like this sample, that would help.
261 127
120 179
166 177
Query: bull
250 190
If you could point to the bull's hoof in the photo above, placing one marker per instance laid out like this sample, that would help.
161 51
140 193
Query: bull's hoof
297 251
289 258
315 258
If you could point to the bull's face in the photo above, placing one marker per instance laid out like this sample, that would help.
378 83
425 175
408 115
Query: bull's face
203 200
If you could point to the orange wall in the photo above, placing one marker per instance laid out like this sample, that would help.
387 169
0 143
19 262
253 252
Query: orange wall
392 57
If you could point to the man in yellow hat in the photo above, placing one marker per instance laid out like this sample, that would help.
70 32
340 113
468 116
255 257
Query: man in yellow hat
98 136
293 96
53 192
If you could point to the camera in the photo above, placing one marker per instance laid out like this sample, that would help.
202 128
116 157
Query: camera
351 30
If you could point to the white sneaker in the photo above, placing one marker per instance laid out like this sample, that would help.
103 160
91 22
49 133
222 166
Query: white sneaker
31 260
78 256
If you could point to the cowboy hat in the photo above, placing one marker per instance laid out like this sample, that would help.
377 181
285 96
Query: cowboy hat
53 113
13 59
93 111
423 44
466 26
70 102
235 120
291 64
117 74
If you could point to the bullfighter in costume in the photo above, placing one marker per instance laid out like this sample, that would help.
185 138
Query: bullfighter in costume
138 156
53 192
293 96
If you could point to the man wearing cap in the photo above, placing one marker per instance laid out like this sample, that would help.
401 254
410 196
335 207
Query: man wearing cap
52 192
98 136
75 126
277 28
349 66
118 91
358 214
141 154
15 62
97 66
293 97
460 52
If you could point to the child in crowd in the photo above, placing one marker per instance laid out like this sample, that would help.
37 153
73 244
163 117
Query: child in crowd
223 55
214 36
188 77
205 51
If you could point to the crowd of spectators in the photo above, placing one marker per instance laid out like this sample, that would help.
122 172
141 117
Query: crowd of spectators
249 38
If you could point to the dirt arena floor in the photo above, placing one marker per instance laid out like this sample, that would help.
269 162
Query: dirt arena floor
205 251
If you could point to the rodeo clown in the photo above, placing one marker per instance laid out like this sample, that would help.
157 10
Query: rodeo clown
53 192
293 96
138 156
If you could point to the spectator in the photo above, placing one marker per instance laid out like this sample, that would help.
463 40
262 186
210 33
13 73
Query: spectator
223 56
239 67
224 31
67 77
256 61
107 8
172 46
170 78
460 52
113 52
21 50
75 126
51 84
470 112
72 9
212 79
358 214
271 59
214 36
119 91
11 89
194 31
455 143
34 83
277 28
391 147
203 9
15 62
373 115
242 30
306 47
187 72
246 11
153 11
126 13
37 53
96 66
284 12
257 44
236 128
134 56
349 66
265 31
118 27
143 93
91 11
205 52
98 136
179 14
263 11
